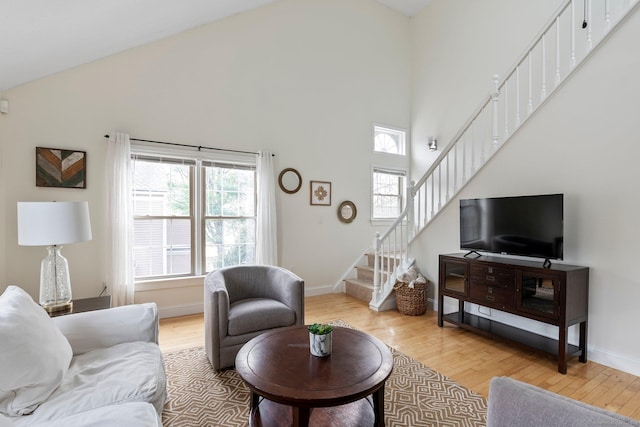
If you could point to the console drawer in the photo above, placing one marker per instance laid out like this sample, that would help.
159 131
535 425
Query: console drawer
493 276
492 296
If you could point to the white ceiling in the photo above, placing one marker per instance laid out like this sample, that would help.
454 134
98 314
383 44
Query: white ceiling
42 37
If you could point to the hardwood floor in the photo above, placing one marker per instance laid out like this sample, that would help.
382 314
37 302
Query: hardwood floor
465 357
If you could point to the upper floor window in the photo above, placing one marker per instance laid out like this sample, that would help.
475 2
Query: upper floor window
191 216
387 140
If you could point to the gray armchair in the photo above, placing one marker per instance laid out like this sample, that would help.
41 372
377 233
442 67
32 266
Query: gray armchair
241 302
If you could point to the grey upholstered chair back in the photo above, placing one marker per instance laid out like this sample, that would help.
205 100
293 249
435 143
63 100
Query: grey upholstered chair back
229 286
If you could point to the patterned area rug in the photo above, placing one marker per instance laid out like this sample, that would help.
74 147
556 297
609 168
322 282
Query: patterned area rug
415 395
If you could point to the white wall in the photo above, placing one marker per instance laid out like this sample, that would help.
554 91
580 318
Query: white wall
304 79
583 143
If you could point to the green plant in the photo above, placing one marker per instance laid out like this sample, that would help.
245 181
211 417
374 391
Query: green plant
320 328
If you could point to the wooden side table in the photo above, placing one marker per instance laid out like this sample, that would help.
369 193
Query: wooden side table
85 304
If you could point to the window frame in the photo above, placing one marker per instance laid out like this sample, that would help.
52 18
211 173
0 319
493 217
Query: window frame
402 194
389 162
203 215
197 194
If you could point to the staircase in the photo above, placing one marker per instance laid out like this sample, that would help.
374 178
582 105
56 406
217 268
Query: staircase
362 285
553 56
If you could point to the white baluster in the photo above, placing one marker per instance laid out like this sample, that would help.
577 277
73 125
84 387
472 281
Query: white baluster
439 187
517 97
607 16
455 168
473 148
556 79
530 104
494 99
376 265
448 172
464 158
433 195
543 89
572 61
481 118
506 110
589 26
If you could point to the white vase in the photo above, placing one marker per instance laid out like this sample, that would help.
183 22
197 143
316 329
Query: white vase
320 345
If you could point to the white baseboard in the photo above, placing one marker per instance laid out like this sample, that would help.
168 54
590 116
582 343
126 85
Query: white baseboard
319 290
180 310
613 360
604 357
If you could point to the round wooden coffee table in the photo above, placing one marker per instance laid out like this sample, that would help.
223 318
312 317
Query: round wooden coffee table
288 384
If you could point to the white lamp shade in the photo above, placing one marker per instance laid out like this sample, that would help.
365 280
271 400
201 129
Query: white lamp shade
53 223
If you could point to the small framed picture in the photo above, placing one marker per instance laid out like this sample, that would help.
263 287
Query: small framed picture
321 193
56 167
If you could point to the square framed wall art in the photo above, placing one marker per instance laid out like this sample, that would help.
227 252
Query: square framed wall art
321 193
56 167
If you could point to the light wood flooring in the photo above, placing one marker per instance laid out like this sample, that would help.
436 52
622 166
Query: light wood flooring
468 358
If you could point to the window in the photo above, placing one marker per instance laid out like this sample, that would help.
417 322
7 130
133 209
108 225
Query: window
388 191
389 172
386 140
230 215
191 215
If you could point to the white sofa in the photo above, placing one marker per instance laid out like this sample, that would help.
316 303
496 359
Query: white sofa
99 368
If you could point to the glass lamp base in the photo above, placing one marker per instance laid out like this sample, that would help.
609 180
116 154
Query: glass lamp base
54 308
55 286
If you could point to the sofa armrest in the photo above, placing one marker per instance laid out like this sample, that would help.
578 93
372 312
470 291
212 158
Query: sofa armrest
514 403
105 328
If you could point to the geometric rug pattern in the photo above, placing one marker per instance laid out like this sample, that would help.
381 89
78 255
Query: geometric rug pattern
415 395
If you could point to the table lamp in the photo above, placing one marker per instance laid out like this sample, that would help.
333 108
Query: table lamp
53 224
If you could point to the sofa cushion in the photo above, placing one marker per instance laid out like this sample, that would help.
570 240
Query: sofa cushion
128 372
34 355
256 314
514 403
131 414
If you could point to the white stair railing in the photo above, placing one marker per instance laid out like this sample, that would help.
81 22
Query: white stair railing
568 39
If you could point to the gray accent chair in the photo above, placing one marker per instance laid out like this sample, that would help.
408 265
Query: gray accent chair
242 302
516 404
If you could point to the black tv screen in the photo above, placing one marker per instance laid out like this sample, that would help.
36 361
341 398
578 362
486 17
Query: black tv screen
524 225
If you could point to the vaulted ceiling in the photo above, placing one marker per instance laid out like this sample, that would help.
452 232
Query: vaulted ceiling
42 37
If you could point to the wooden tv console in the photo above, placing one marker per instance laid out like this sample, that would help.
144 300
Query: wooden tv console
557 295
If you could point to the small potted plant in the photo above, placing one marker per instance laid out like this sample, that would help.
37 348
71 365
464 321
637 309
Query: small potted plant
320 339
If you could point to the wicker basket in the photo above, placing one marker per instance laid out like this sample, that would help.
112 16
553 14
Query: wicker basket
411 301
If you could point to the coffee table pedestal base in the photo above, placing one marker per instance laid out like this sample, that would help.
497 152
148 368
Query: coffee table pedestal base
271 414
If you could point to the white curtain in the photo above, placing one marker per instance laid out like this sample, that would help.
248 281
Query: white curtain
267 224
119 220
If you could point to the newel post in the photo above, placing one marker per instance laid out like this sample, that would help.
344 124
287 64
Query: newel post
376 267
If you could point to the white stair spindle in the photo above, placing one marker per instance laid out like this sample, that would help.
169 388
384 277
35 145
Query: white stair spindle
607 15
572 61
506 110
556 80
530 104
448 172
433 195
464 159
517 96
494 100
473 147
455 168
439 187
543 89
589 26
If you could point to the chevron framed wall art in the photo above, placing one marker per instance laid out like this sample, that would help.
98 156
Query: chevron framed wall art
56 167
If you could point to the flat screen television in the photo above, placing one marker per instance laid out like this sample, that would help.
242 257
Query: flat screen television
523 225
